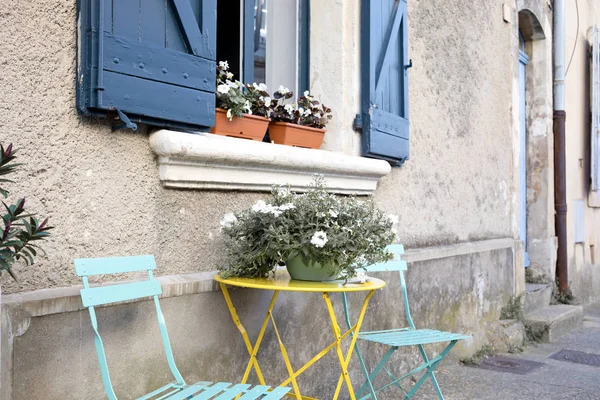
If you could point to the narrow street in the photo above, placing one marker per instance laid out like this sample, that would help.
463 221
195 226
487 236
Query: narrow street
552 380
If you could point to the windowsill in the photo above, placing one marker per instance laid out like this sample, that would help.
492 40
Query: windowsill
207 161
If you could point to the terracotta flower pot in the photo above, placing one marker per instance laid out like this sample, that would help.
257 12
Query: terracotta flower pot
248 127
296 135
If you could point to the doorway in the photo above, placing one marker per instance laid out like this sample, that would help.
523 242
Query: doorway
523 61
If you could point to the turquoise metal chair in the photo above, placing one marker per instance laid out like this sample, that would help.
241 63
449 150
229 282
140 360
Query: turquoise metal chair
178 389
396 338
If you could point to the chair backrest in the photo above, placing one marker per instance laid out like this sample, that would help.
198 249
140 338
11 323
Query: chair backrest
395 265
95 296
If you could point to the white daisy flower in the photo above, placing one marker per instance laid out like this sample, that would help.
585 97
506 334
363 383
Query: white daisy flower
223 88
319 239
228 220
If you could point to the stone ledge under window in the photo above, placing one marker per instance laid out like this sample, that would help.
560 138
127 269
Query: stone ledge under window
207 161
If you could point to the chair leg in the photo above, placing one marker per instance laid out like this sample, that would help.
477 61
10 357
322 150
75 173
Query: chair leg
368 384
369 380
431 373
430 370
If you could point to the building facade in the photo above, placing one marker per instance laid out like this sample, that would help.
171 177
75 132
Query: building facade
475 197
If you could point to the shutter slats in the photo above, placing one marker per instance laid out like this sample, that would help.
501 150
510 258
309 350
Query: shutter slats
141 60
153 61
158 100
152 22
125 18
189 24
384 114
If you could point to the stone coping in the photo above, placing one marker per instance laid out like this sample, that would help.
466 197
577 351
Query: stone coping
208 161
58 300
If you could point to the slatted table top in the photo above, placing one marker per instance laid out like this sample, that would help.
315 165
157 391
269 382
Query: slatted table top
281 281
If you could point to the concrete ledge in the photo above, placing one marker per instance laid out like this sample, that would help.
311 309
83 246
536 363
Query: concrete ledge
459 249
206 161
53 301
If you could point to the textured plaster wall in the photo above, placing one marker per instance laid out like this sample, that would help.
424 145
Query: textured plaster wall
102 192
458 183
584 258
100 189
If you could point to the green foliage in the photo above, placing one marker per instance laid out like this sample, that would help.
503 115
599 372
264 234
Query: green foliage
486 351
259 99
230 93
344 234
560 297
530 277
513 309
534 335
239 99
19 230
308 112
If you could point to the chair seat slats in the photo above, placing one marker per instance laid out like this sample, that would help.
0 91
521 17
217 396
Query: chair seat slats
277 393
159 391
412 337
255 392
212 391
115 293
233 391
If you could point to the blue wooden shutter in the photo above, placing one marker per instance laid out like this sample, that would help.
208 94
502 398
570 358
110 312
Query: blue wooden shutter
150 61
384 71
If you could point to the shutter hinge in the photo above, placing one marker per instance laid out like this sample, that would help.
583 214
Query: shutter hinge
409 65
126 122
357 124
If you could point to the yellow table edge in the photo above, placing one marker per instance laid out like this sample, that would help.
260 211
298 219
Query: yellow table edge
281 280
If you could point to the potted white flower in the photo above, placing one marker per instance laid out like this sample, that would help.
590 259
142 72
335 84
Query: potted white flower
300 125
317 235
241 111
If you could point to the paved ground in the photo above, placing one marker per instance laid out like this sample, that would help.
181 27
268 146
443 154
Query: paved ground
554 380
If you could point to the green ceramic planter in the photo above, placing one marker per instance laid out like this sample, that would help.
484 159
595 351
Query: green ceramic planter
313 272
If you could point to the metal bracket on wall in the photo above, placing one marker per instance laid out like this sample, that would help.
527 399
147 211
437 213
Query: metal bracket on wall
127 122
409 65
357 124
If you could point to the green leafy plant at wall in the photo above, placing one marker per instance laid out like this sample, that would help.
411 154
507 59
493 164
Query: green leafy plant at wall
343 232
19 229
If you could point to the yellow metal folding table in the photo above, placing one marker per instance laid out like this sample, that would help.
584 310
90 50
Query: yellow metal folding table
281 281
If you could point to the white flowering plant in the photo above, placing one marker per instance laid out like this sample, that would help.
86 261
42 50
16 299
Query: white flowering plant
342 234
259 98
307 112
230 93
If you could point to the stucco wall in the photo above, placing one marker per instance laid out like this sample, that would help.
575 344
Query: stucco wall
584 267
102 192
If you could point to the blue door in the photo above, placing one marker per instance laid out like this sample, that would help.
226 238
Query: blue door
523 60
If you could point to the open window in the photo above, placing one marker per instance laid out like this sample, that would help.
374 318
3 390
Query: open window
265 41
